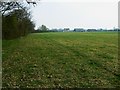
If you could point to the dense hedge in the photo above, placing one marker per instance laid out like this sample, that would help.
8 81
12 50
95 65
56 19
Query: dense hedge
16 24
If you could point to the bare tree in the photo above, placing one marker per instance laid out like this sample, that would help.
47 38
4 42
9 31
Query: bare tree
10 6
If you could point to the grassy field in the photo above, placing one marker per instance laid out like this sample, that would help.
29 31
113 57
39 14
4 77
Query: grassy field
69 59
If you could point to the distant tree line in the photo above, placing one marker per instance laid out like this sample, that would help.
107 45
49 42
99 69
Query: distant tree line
16 20
41 29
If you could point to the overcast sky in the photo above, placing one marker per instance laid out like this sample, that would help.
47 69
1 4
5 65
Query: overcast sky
76 14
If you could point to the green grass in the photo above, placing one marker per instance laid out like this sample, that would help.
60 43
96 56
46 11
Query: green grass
69 59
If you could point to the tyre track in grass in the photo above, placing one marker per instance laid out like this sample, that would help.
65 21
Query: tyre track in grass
76 58
77 55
